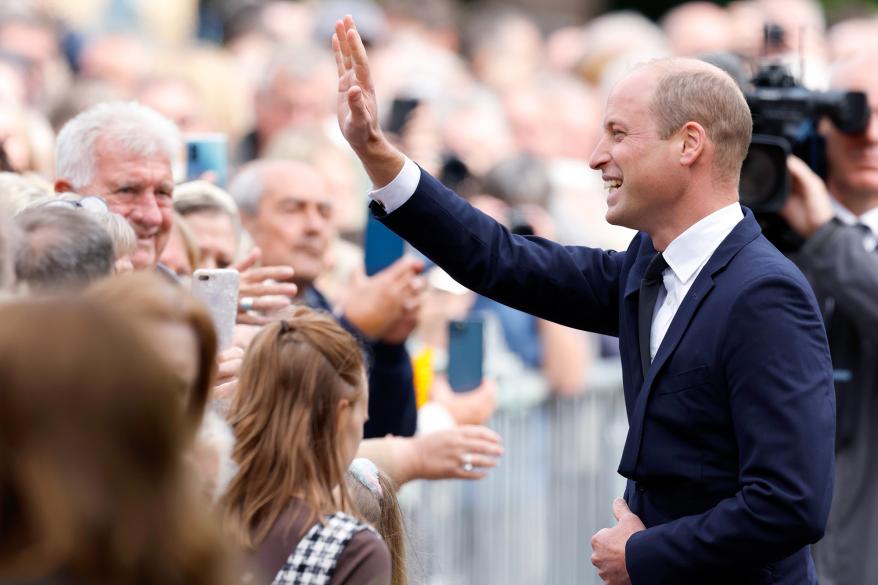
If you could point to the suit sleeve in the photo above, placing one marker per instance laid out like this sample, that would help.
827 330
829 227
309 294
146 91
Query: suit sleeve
574 286
778 374
835 259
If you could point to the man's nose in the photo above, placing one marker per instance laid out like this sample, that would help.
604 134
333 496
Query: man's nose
146 211
599 157
314 220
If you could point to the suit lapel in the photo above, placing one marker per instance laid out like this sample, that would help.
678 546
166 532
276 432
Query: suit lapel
745 232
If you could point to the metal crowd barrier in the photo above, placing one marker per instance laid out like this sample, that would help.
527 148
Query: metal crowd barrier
531 520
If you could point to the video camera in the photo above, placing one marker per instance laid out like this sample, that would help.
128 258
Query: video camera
785 121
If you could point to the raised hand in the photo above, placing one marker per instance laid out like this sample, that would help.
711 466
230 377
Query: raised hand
263 290
358 106
385 306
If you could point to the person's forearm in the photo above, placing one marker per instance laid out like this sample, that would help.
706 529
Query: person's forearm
395 456
381 160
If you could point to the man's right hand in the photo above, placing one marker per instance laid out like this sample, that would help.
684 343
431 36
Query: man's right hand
358 106
380 305
808 206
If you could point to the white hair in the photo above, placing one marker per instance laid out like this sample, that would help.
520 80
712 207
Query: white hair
132 126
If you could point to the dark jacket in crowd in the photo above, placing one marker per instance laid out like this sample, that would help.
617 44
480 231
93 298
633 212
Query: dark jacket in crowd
844 275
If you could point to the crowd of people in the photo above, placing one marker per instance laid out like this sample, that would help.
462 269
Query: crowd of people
277 457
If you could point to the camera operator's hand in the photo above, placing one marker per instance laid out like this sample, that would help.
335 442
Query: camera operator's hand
385 306
808 206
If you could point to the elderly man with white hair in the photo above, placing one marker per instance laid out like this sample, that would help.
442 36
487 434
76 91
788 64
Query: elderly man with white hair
122 151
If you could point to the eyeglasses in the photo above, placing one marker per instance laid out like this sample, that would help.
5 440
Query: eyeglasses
91 203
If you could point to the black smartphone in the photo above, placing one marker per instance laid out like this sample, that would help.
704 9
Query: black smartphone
466 350
399 113
382 246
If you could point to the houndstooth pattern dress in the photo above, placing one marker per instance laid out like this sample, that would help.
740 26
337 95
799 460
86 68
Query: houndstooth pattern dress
315 557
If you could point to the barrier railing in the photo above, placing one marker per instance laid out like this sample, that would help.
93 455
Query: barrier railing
531 521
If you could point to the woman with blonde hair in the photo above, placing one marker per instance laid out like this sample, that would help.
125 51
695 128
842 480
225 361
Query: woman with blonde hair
298 419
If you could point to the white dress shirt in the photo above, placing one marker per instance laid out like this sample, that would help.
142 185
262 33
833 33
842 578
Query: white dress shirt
686 255
868 219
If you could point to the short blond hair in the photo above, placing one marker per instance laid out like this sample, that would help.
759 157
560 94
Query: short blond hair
694 91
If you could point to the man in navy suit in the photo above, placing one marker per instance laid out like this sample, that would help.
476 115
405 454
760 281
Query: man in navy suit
727 375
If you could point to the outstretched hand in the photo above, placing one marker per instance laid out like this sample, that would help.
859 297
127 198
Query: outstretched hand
358 106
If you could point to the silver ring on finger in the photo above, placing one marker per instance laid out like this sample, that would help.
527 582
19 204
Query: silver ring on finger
467 462
246 304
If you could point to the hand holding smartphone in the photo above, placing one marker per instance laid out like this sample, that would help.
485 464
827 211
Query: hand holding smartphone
217 288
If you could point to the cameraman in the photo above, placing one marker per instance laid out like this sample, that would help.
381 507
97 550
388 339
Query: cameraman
839 220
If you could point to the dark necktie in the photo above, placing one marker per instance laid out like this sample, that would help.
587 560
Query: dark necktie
649 289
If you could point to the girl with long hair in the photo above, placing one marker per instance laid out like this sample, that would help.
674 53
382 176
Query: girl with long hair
298 419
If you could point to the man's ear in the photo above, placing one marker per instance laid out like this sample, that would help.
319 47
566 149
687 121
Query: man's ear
693 141
63 186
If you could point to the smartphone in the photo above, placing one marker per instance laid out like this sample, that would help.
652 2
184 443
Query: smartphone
466 350
382 246
217 288
207 153
399 113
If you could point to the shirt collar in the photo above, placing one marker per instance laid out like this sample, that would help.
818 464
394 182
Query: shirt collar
690 250
868 219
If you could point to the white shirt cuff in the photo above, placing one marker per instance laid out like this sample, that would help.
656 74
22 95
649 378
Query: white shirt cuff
398 191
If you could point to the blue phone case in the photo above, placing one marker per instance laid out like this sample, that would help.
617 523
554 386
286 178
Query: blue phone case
383 247
465 354
207 152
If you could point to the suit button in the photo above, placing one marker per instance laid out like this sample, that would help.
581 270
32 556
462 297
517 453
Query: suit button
641 488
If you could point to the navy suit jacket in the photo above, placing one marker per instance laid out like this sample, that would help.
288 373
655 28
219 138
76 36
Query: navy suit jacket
729 454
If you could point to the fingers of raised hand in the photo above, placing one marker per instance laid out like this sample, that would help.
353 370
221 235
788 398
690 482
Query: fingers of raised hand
248 261
256 275
278 289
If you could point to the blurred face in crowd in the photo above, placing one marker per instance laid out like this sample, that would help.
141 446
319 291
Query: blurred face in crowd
293 224
13 139
635 163
140 189
216 236
853 158
290 103
176 101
